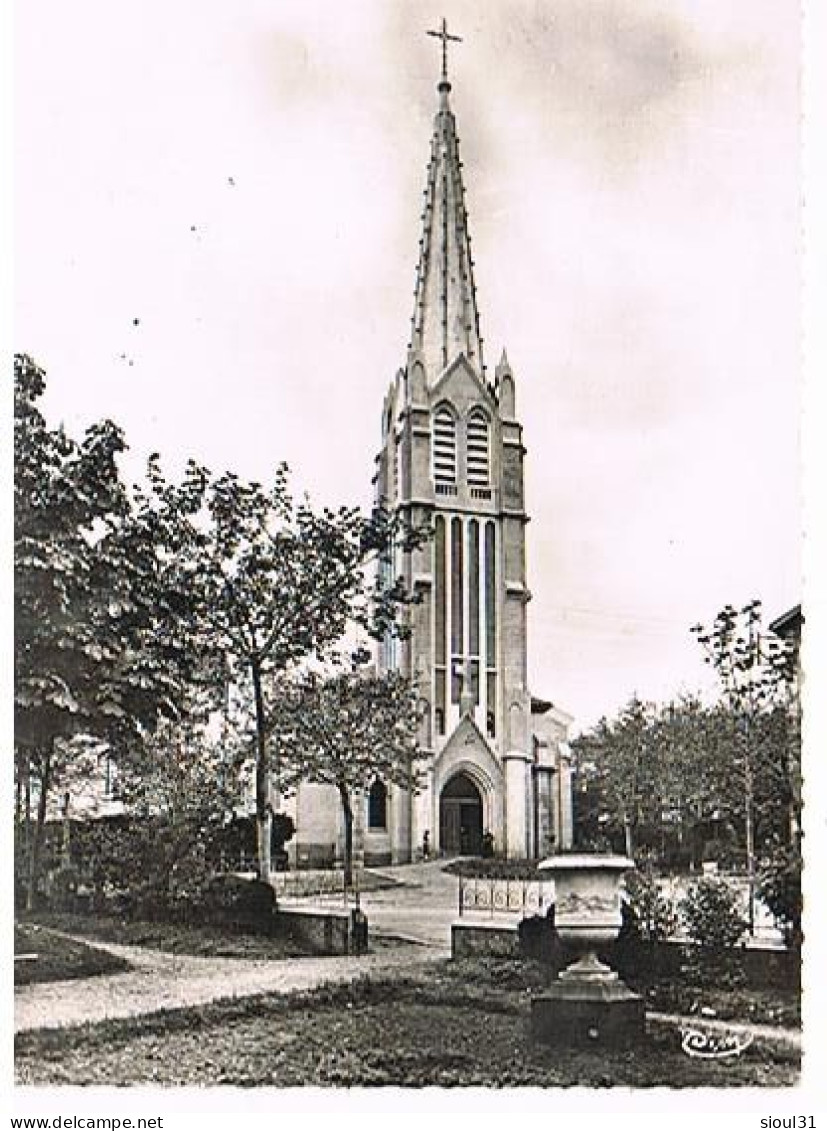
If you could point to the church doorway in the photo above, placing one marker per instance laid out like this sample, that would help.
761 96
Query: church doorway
460 817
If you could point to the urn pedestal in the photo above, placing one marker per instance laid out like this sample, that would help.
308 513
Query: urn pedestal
588 1003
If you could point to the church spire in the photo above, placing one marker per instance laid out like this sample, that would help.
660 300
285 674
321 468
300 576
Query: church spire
445 320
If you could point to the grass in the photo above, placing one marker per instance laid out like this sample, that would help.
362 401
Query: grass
451 1024
174 938
58 958
762 1007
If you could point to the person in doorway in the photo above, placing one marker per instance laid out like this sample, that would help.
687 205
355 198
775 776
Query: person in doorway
426 845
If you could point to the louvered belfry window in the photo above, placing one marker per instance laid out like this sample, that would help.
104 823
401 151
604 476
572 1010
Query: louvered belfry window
477 448
445 446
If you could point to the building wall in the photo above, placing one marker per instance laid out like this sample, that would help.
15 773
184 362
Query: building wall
522 803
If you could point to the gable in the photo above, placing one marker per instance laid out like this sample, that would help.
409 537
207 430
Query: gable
461 385
466 747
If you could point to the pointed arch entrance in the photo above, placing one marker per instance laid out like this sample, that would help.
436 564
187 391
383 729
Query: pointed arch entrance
461 816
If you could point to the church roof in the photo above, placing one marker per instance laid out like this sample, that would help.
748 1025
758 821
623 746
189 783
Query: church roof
445 320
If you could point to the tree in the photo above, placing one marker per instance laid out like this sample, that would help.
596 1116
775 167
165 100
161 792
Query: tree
61 491
181 793
98 649
662 774
693 772
757 728
615 759
348 730
269 582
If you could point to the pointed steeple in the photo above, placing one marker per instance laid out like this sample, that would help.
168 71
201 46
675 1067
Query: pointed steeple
445 319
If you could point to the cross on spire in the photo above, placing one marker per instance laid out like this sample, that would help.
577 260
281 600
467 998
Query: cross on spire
445 37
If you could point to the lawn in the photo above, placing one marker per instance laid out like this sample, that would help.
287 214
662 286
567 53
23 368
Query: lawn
457 1023
58 958
762 1007
175 938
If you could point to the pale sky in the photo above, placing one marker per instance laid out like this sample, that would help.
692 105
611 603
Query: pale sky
245 180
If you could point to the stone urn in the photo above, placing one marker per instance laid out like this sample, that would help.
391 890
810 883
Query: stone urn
587 1003
587 913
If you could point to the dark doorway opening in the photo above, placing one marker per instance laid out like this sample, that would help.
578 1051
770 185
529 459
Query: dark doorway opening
460 817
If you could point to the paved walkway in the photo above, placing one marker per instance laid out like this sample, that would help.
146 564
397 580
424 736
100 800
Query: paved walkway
419 908
160 980
776 1034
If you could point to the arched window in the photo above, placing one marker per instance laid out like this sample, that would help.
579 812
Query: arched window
445 446
378 806
477 448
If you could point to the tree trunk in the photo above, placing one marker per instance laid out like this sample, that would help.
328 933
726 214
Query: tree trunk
37 839
348 814
627 836
749 829
67 832
264 815
27 829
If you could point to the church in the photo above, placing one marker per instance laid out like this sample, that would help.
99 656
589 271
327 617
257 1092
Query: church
452 457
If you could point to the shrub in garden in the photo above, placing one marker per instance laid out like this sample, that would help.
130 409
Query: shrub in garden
712 914
537 937
714 920
653 915
779 885
237 901
236 839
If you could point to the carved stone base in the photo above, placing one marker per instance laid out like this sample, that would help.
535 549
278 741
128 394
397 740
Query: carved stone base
598 1012
589 968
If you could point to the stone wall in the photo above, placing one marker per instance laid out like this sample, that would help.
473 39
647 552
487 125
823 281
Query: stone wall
763 968
488 940
321 932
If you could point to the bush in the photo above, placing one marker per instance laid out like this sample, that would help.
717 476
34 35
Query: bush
237 901
63 886
779 885
712 915
537 937
652 912
238 837
477 867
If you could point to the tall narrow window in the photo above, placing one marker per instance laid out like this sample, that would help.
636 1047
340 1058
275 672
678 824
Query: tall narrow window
387 646
474 587
474 606
445 446
397 469
378 806
477 448
490 629
490 596
457 600
440 638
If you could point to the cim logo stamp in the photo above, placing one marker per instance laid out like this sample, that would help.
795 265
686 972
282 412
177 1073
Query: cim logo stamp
714 1046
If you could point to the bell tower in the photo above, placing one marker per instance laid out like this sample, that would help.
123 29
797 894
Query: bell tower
452 457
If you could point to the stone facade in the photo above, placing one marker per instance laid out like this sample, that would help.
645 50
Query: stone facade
452 457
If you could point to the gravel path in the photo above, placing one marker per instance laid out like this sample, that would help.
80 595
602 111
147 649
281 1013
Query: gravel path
171 981
419 910
777 1034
